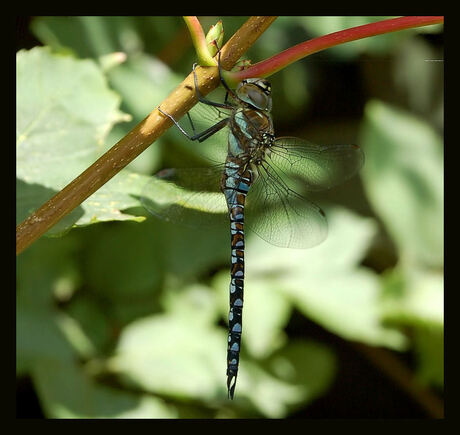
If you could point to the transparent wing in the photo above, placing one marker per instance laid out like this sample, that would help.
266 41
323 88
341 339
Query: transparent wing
187 196
279 215
317 167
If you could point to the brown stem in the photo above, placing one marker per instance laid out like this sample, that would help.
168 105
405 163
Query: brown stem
180 101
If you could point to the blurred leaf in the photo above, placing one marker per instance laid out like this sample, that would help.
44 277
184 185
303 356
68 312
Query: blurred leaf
293 376
124 267
167 355
42 331
123 261
403 177
170 356
66 391
97 36
43 267
190 253
61 130
75 336
414 297
404 181
93 319
307 364
195 302
143 82
419 72
429 348
326 283
38 337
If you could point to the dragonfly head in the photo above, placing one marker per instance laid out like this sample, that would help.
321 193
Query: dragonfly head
256 92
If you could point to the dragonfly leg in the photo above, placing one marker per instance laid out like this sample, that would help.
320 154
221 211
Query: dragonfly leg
175 123
211 130
200 137
203 100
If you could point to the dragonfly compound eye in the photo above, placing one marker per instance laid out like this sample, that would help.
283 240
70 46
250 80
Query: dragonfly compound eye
256 93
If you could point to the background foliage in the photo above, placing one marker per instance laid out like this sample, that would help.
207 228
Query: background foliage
127 318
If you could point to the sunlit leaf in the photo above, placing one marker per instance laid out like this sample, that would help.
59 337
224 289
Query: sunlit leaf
167 355
403 177
64 112
414 298
142 80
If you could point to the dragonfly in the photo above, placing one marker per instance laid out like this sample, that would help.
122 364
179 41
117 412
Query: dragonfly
259 182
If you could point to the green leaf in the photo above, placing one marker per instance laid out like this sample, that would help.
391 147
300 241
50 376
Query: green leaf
64 112
123 261
326 283
194 302
414 297
67 391
142 80
98 36
46 270
429 349
171 356
38 338
403 177
206 248
419 73
47 274
293 376
185 359
93 318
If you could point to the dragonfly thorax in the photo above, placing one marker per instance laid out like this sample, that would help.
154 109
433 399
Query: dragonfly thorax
255 92
261 148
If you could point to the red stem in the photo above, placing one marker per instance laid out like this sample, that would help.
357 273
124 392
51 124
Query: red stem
286 57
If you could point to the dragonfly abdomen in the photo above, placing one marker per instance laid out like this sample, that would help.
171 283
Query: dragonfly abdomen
235 187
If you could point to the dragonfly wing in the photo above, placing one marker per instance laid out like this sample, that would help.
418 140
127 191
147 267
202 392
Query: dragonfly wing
276 212
282 217
187 196
317 167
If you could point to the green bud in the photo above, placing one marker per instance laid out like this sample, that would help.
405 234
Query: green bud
216 33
